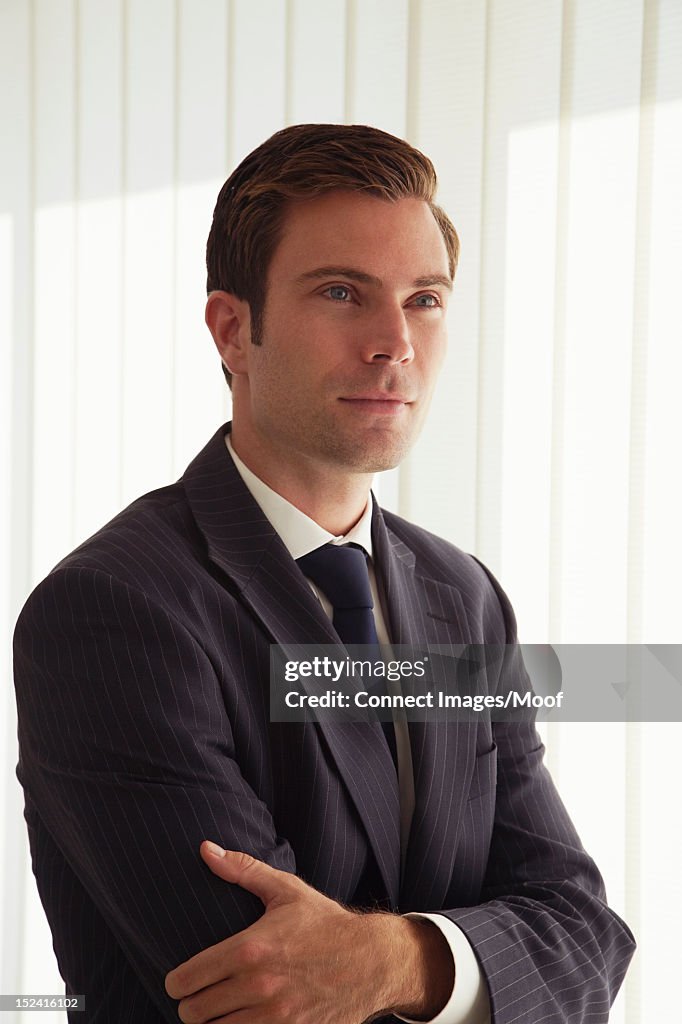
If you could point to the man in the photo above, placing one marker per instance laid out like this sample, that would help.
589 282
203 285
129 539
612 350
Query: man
142 670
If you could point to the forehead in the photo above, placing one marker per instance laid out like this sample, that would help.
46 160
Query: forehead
348 228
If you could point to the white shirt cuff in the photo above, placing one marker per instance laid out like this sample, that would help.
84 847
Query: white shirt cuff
469 1002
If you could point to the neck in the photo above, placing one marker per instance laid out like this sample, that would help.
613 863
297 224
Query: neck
331 496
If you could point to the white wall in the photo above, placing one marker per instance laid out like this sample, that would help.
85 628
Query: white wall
552 447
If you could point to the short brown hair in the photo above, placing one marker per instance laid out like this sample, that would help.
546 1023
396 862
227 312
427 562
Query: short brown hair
298 163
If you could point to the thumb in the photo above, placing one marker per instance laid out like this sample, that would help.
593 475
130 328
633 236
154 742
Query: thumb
254 875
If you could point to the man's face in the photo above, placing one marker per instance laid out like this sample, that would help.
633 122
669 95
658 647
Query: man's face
353 333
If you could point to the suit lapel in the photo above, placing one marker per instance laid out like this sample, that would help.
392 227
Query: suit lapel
243 544
424 611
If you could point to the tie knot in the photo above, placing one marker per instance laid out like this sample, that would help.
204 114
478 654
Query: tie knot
340 571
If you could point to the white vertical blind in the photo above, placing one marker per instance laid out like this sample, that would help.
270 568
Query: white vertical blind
148 227
16 242
597 357
377 64
98 331
316 61
660 501
260 74
200 162
552 446
54 271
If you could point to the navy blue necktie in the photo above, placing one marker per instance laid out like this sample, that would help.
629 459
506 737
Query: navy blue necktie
340 571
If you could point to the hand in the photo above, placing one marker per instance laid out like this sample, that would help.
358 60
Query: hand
307 959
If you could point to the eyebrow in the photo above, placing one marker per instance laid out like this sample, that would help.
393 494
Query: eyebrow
362 278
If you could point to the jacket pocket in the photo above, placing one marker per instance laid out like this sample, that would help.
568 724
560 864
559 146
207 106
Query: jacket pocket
484 777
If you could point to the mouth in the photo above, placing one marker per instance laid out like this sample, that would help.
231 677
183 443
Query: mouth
377 402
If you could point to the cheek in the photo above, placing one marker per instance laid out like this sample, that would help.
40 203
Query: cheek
433 357
296 342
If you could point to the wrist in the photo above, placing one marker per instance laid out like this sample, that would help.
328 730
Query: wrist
416 969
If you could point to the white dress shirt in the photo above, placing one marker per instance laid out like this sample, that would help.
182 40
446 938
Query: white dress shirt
469 1002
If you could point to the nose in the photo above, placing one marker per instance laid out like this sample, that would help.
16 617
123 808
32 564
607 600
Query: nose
387 338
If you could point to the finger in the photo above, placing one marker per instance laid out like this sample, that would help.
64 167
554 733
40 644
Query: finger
254 875
211 965
218 1000
251 1016
205 968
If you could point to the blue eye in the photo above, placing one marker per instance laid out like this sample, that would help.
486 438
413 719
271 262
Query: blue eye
431 301
338 292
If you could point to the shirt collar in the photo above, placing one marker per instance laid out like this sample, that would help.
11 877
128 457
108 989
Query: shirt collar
299 533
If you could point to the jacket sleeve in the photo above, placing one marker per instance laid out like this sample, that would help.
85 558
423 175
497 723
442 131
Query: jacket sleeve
127 756
549 946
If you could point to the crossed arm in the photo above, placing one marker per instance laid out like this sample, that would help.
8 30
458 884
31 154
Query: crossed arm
305 950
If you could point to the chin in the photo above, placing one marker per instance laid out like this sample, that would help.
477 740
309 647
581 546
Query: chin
374 462
366 454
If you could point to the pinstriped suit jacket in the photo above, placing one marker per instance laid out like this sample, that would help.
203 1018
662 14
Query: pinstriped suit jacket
142 675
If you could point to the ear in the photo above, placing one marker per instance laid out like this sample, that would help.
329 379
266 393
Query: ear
229 321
